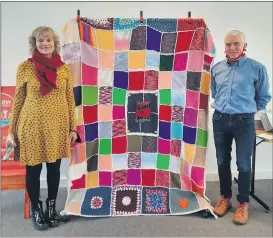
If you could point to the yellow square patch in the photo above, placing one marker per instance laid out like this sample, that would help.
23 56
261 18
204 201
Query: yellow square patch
105 39
136 60
92 179
189 152
205 83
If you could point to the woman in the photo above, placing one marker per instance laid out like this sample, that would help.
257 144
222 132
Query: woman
43 122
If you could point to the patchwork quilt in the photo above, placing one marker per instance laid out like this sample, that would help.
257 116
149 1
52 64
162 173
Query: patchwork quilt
141 91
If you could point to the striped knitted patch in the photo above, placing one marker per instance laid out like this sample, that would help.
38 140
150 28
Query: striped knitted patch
119 177
105 96
151 80
175 147
177 113
119 128
134 160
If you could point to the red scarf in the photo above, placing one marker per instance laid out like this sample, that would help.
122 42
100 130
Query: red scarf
46 71
239 57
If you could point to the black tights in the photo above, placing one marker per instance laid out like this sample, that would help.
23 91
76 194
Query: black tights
33 180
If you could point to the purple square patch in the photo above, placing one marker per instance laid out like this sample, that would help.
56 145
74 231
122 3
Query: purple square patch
164 130
134 177
189 135
121 79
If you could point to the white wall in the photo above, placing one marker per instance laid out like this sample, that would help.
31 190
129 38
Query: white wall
253 18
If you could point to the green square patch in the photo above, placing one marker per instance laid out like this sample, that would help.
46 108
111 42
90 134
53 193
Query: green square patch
89 95
163 162
165 96
105 146
119 96
202 138
166 62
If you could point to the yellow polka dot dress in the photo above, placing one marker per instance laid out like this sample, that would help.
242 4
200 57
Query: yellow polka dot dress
42 123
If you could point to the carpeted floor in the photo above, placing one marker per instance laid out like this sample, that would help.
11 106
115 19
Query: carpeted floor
259 225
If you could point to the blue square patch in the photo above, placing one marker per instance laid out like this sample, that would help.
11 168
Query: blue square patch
155 200
152 60
97 202
178 98
105 129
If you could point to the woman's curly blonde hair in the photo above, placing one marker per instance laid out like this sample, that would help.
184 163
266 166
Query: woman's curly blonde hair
43 31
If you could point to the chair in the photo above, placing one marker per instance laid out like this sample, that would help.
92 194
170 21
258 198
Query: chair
13 177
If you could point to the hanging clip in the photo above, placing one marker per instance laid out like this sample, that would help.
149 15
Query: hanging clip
189 14
78 15
141 17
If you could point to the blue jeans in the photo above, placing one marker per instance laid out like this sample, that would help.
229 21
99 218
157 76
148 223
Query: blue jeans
241 128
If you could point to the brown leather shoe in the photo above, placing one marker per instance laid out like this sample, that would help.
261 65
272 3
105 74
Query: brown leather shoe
222 207
241 214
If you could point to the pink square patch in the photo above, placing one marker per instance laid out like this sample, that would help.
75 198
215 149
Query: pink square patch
89 75
197 176
118 112
186 167
104 113
80 130
196 59
190 117
185 183
180 62
164 146
164 79
105 178
192 99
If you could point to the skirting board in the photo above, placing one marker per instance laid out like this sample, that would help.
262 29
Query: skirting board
259 175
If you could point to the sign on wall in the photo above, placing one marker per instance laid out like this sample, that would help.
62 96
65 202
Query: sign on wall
7 97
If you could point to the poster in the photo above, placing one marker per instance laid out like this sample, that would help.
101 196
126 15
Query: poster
7 97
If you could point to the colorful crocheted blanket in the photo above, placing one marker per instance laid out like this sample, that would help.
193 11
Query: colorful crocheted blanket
141 92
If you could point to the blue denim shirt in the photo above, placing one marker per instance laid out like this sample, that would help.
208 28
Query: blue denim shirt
240 87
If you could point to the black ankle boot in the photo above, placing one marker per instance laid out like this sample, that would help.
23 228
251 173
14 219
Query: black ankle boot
38 217
51 215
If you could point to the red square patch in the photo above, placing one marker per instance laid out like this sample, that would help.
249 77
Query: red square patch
90 114
148 177
136 80
119 145
198 40
165 113
79 183
184 41
208 59
203 102
197 189
162 178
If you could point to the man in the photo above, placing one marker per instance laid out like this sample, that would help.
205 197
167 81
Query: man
240 88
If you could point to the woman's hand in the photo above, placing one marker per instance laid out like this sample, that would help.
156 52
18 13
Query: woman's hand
10 139
73 136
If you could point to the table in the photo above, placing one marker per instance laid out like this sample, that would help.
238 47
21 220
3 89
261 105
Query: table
252 189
